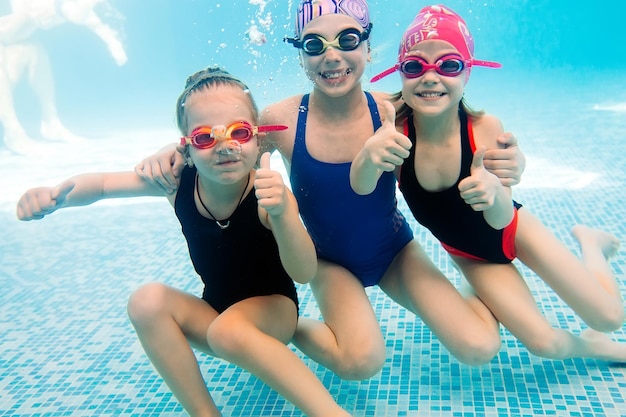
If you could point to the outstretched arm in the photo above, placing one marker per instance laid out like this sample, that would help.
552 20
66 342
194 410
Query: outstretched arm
279 208
82 190
382 152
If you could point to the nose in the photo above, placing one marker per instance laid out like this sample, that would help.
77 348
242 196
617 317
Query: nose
430 76
228 147
331 54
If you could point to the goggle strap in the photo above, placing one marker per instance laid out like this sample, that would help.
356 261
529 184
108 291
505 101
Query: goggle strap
385 73
473 62
490 64
297 43
271 128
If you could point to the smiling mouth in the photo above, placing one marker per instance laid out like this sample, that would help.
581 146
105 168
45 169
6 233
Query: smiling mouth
226 161
334 75
430 94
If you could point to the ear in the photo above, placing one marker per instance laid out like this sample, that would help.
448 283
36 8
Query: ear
187 156
259 139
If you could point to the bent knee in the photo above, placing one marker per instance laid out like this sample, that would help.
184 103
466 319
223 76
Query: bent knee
230 338
477 351
548 344
358 366
146 302
609 320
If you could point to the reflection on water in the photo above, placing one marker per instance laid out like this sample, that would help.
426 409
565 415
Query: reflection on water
619 107
24 58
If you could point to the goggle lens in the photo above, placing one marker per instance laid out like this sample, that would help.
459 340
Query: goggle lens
203 140
347 40
241 134
449 66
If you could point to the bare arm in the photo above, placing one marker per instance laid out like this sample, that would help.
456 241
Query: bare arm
82 190
383 152
279 209
286 113
82 12
483 190
163 168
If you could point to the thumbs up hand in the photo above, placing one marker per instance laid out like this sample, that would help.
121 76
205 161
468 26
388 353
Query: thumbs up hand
270 188
507 160
480 188
38 202
387 149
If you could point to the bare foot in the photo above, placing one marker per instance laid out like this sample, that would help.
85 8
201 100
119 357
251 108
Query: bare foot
603 347
608 243
54 130
21 144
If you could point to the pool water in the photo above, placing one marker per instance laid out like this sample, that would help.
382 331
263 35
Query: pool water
67 347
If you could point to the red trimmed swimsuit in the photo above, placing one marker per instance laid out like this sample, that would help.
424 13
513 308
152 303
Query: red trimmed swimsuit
461 230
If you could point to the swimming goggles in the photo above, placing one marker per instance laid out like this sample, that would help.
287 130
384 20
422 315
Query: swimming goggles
347 40
205 137
448 65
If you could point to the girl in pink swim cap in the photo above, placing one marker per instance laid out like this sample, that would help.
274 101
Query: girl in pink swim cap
438 153
438 22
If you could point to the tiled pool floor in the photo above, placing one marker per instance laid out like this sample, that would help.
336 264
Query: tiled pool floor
68 349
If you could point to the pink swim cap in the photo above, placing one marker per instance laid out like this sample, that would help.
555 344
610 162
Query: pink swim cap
310 9
437 22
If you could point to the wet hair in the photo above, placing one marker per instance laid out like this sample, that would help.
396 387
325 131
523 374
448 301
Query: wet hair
405 111
206 79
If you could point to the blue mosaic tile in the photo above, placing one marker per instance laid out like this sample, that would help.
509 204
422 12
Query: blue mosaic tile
68 349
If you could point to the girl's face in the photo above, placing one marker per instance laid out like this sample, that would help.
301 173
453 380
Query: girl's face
221 106
334 72
433 93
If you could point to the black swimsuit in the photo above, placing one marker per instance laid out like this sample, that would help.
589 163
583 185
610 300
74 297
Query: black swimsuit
235 263
461 230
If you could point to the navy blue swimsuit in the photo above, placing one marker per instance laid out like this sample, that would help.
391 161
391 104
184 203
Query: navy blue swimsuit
361 233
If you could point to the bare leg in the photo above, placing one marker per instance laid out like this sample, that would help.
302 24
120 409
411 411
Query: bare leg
506 294
32 60
465 326
42 82
597 247
253 334
81 12
165 319
589 286
15 137
349 341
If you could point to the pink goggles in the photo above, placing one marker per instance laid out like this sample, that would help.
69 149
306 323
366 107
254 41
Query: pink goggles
448 65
